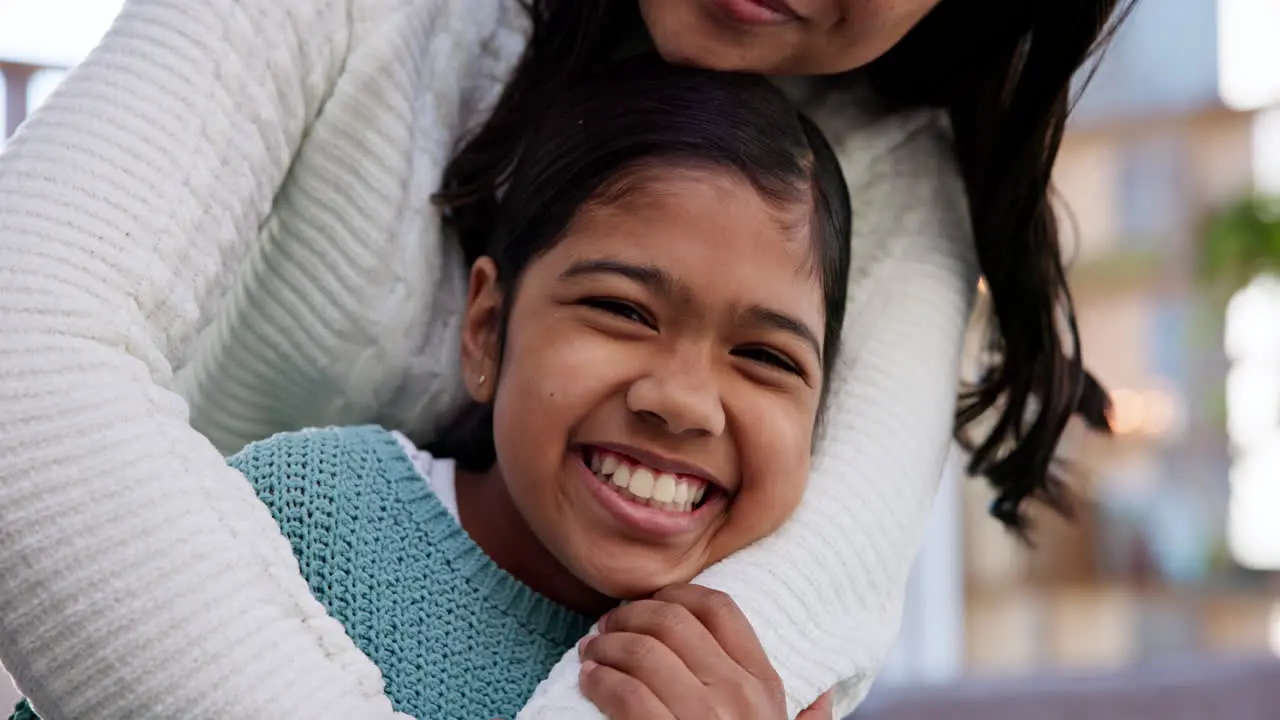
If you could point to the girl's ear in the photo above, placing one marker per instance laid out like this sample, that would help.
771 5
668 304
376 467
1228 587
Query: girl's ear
481 331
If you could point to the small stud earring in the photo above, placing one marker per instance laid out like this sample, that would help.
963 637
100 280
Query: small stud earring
480 380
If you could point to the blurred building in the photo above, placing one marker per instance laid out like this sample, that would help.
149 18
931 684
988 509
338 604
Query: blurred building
1177 123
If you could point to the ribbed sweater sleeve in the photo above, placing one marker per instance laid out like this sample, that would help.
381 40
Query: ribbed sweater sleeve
125 211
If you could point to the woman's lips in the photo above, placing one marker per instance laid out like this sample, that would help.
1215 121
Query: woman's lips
757 12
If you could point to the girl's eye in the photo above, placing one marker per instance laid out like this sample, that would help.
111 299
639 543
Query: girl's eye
620 308
765 356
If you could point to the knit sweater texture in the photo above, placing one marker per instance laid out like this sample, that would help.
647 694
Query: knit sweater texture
219 227
455 636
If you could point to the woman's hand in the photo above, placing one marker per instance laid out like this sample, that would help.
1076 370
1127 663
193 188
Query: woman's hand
688 653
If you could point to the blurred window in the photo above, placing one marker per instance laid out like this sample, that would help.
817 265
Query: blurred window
1150 191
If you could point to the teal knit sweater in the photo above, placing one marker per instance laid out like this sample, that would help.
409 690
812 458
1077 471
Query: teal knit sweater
454 635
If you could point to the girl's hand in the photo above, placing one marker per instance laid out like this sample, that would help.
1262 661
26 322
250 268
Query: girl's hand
688 653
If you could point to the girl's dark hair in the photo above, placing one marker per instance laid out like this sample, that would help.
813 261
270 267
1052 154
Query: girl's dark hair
585 143
1002 70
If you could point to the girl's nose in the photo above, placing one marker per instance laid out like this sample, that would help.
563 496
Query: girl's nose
681 396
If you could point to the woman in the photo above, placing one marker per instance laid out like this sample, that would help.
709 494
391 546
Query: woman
228 204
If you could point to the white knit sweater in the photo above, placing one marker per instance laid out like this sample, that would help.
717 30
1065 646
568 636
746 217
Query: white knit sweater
221 222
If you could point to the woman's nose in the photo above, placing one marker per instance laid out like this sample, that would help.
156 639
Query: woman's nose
681 396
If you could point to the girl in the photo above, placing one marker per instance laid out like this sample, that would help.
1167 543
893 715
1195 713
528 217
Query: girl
219 228
647 341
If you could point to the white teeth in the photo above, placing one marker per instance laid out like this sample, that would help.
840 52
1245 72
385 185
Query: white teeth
682 493
645 486
609 465
664 489
641 483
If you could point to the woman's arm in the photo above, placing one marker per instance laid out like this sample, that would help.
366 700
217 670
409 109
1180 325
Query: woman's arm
139 576
824 594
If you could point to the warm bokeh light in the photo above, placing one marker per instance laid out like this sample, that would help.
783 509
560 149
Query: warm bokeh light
1127 411
1151 413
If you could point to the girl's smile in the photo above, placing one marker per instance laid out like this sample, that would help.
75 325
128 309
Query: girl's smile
657 500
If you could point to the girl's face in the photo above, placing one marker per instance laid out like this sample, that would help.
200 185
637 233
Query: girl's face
780 37
657 396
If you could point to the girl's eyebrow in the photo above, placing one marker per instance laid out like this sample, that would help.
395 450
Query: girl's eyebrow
769 318
662 283
654 278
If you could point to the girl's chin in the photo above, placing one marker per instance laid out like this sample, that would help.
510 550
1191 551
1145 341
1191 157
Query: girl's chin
625 582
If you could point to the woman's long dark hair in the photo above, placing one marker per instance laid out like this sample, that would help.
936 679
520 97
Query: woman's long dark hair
1003 70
